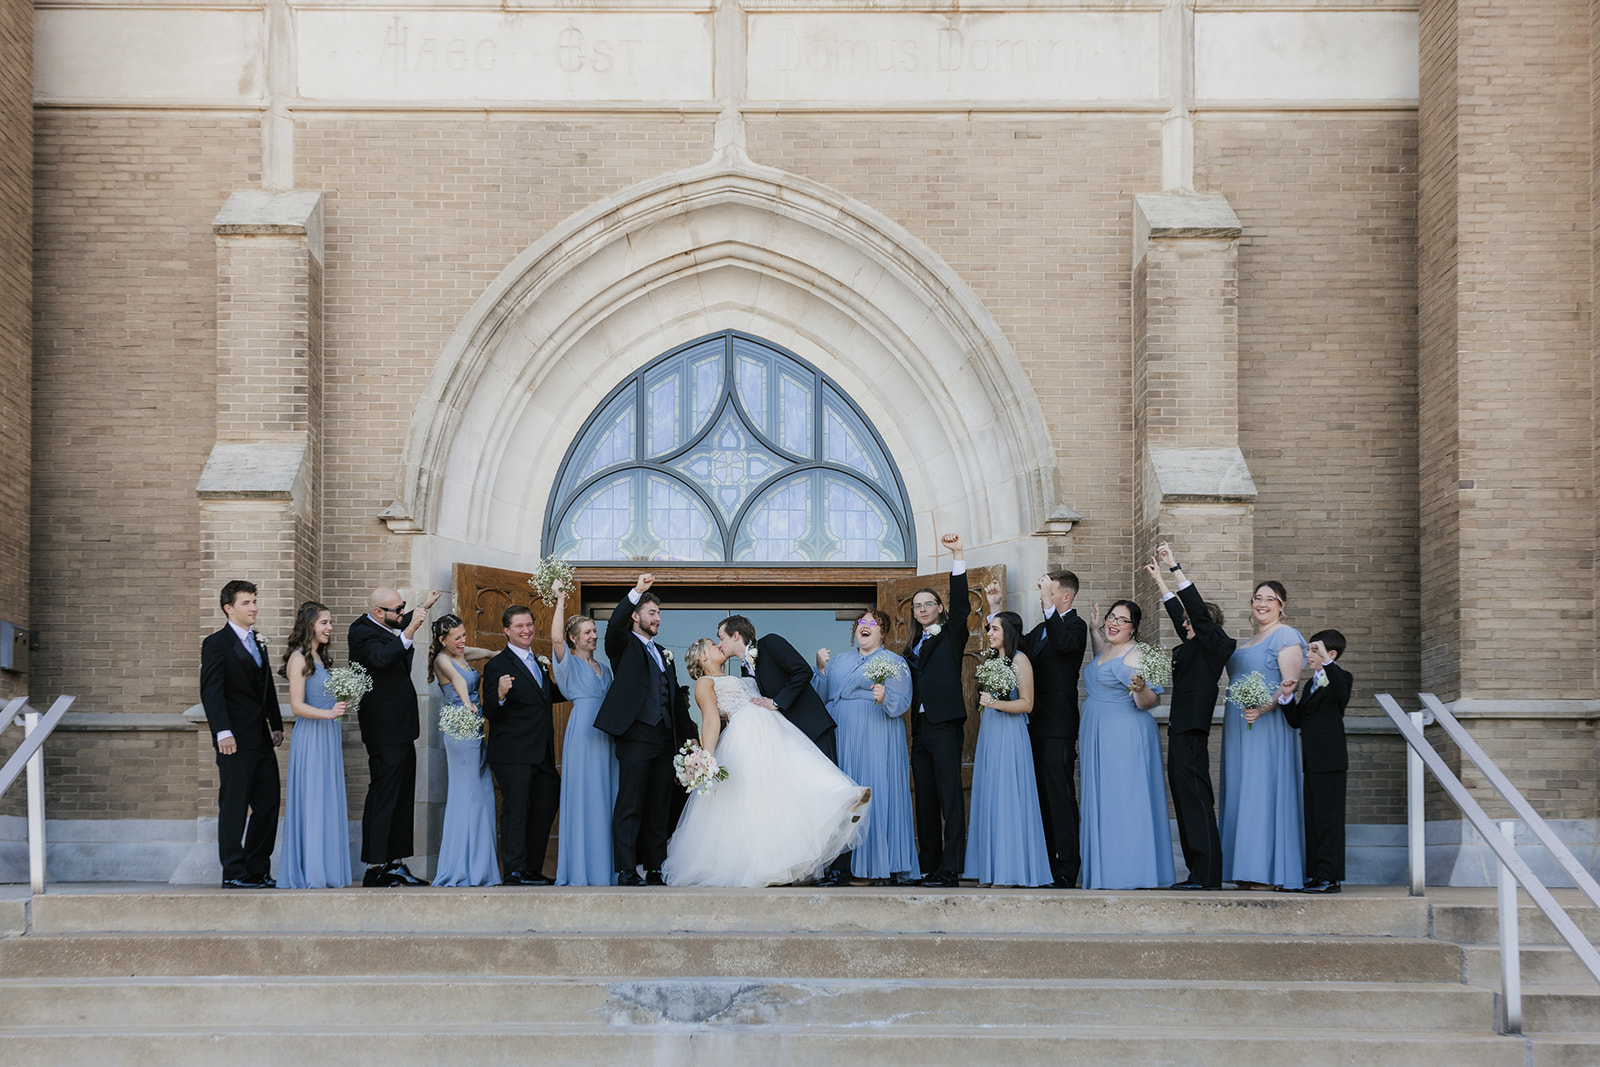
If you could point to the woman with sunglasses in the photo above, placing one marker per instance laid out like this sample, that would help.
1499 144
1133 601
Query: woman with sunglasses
1263 839
872 746
1124 838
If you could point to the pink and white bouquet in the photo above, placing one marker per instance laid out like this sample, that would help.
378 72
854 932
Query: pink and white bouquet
698 770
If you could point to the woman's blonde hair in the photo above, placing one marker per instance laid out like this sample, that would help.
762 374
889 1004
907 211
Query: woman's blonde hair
695 657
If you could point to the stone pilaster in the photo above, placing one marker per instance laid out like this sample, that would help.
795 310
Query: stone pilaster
16 326
1191 481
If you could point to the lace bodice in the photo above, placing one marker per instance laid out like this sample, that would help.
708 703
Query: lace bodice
733 694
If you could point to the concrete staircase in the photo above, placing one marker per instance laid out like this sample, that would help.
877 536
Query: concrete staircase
111 975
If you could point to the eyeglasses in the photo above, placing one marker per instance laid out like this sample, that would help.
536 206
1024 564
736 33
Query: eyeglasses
1120 620
867 622
1268 599
929 604
401 610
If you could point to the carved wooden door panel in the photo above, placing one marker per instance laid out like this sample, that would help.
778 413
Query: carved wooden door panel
481 594
894 599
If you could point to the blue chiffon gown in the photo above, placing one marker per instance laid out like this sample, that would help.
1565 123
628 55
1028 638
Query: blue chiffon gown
1263 839
872 750
316 826
466 844
1005 833
1125 837
588 778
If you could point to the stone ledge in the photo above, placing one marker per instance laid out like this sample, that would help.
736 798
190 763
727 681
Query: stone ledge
257 213
1193 216
1202 476
252 471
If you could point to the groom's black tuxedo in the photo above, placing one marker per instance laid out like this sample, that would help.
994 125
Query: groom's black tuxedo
521 749
784 677
1197 665
640 711
938 731
240 696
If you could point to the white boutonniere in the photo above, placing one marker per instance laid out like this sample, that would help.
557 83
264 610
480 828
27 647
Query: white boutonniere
750 656
666 654
544 661
1318 681
935 630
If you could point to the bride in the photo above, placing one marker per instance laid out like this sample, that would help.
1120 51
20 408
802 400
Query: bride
785 810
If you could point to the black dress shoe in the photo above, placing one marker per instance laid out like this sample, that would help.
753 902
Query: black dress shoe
241 883
903 879
940 880
537 878
830 879
1320 886
401 875
654 878
514 878
262 881
1064 883
629 878
375 878
1186 885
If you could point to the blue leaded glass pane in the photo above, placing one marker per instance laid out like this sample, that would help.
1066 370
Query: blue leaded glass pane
847 441
795 397
662 421
608 442
730 464
861 526
752 375
776 527
705 372
596 528
680 526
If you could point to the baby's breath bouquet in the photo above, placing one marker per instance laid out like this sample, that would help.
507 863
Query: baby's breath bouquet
1155 665
996 677
1250 692
880 669
350 684
551 569
460 722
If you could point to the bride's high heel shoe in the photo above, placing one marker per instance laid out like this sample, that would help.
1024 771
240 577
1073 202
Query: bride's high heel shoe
866 796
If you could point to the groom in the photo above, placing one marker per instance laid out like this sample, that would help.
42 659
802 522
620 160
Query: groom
784 678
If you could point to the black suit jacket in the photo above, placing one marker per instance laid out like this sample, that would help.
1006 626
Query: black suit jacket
1197 664
936 670
1055 673
387 714
784 676
631 676
238 695
1320 718
522 729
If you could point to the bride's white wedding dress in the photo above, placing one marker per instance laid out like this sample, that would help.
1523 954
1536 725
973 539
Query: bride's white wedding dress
783 814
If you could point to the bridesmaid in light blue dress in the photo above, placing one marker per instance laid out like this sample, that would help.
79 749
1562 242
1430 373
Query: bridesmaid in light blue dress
1005 834
316 826
872 748
467 841
588 762
1125 838
1263 839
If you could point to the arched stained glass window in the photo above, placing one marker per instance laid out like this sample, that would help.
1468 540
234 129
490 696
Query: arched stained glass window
729 450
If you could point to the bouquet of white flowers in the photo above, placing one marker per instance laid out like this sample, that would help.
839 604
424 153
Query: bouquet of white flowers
1250 692
880 669
996 677
460 722
1155 665
550 570
350 684
698 770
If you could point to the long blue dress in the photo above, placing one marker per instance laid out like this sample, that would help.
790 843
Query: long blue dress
872 750
316 826
466 843
1005 833
1125 837
1263 839
588 778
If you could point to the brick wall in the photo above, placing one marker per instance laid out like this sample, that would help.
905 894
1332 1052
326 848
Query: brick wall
16 320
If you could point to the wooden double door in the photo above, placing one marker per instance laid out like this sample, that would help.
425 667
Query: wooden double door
482 593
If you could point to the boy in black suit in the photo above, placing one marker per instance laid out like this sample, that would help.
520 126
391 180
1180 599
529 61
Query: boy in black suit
1318 713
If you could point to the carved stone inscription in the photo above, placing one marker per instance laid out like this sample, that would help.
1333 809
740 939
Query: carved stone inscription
1045 56
480 56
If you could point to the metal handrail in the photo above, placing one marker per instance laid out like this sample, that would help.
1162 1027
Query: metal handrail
1505 850
30 754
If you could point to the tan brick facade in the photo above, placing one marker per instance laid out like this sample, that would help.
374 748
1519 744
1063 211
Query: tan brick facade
16 314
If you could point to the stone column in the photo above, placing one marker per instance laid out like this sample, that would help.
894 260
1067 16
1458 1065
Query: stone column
1191 482
260 493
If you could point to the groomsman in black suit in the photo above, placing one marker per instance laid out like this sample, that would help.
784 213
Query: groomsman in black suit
1318 713
241 705
381 641
939 722
1197 664
1055 647
638 711
517 699
784 678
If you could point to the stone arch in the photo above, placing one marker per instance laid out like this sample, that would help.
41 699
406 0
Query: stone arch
728 245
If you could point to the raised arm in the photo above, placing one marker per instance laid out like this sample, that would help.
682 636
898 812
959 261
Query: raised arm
558 625
443 668
1093 626
620 625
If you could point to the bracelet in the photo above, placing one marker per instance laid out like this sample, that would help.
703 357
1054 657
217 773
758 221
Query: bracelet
1174 567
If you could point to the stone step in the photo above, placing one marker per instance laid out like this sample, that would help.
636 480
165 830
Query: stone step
1480 923
138 1005
650 911
1542 965
969 956
1562 1009
690 1046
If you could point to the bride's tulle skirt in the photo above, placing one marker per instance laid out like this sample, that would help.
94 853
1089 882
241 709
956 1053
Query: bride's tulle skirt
782 816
